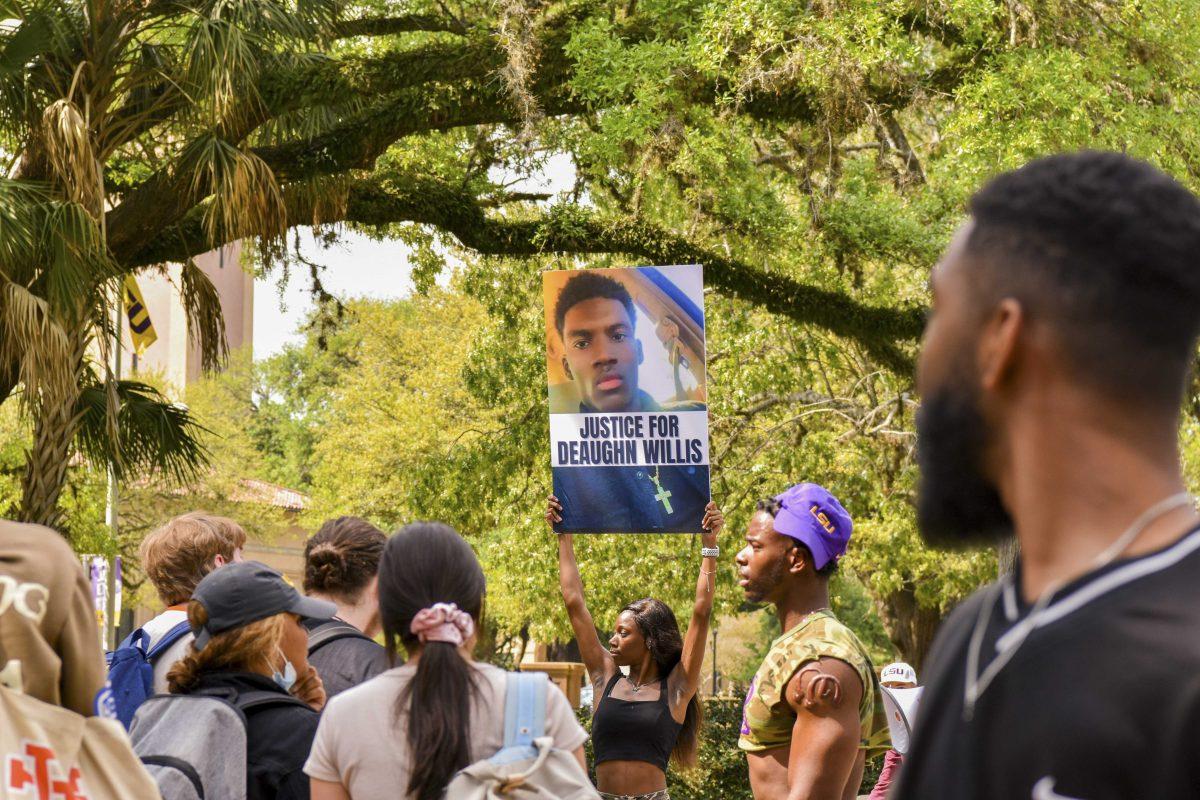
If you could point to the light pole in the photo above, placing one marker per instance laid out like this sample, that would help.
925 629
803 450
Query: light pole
714 659
110 509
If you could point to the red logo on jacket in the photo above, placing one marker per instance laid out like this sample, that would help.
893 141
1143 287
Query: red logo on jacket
36 773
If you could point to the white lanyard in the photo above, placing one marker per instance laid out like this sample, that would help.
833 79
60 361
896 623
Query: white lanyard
976 683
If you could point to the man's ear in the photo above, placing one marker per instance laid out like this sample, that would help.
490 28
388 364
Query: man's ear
797 560
996 352
219 561
567 369
641 355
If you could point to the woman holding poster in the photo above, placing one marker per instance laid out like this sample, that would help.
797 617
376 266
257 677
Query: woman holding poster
651 717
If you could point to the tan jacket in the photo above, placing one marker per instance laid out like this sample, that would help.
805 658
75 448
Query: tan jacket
47 619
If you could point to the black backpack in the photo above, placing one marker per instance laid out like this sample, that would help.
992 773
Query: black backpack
332 631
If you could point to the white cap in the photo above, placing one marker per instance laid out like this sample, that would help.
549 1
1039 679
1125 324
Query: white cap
899 673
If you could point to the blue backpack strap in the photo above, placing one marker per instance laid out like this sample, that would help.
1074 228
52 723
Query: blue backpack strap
139 639
172 636
135 637
524 708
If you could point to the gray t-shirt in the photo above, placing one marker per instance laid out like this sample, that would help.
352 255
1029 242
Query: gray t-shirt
361 745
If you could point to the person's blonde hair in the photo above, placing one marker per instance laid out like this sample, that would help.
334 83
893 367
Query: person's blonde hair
179 554
239 649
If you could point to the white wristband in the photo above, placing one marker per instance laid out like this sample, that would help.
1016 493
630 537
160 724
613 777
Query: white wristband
710 552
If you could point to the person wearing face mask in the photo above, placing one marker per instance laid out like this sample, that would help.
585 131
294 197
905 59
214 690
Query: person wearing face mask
250 638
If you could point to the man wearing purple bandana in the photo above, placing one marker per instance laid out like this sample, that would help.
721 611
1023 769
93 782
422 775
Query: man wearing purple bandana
814 709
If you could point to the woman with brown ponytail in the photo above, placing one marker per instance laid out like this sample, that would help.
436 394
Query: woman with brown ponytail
341 562
404 734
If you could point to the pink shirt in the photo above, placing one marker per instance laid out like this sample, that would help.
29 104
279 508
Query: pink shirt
891 768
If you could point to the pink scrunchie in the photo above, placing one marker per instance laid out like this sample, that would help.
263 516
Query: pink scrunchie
443 622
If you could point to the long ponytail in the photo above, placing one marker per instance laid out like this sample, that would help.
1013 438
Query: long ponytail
660 629
426 563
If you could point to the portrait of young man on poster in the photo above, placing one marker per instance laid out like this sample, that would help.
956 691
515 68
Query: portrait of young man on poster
627 474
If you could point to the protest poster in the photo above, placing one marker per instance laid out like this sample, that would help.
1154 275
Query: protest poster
628 414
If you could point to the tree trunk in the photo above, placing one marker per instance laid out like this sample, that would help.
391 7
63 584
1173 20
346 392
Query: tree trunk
9 378
560 651
910 626
1006 556
46 463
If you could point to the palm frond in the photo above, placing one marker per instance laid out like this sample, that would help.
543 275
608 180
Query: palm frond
69 151
22 43
274 21
154 435
37 34
307 123
33 338
222 63
243 196
73 257
206 320
23 205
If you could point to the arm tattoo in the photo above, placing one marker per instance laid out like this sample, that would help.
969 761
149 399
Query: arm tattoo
818 689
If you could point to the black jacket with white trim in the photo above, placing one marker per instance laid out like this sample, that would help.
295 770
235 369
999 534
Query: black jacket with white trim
1102 700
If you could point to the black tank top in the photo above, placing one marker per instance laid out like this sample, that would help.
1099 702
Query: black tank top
630 730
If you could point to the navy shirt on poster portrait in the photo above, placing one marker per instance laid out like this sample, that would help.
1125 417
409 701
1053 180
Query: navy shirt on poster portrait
655 499
599 499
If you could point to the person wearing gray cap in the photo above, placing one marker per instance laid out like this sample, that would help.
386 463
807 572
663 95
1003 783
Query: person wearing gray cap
249 639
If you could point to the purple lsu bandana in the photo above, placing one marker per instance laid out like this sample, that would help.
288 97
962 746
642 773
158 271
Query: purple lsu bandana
812 516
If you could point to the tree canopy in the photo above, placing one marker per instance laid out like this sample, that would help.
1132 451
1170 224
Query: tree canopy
814 156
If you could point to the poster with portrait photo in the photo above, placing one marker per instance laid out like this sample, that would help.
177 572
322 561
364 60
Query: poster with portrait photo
628 403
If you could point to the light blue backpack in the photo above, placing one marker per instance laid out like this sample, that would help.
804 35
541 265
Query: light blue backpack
528 767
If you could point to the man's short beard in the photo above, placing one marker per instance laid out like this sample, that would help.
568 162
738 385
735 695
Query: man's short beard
760 591
957 505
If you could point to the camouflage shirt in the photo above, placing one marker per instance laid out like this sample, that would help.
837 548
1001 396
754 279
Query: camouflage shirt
767 719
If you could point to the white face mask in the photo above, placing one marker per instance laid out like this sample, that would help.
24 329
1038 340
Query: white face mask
287 678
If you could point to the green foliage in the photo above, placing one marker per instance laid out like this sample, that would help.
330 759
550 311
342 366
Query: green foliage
400 411
852 604
793 145
721 768
1191 448
14 441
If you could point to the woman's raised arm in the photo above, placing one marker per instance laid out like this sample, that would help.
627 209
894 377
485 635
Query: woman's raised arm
595 655
692 659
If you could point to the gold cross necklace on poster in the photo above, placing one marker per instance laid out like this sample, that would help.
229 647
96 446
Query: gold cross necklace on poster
663 496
